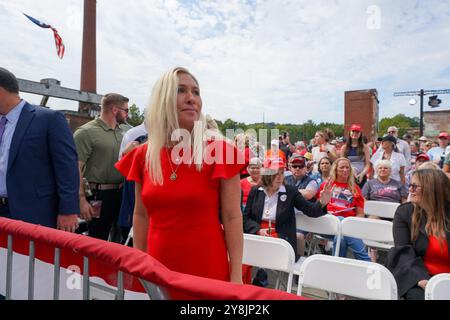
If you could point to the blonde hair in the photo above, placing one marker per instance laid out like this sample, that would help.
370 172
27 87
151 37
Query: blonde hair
433 204
327 134
161 120
383 162
429 165
351 178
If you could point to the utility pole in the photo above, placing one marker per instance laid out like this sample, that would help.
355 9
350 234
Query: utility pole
421 93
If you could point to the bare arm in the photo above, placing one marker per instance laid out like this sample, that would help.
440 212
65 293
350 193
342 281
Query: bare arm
232 224
402 175
360 212
342 151
140 221
366 162
447 170
85 208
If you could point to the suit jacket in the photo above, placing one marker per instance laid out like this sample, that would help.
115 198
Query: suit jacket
42 178
405 260
285 214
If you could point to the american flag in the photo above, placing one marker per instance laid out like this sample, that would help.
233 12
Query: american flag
58 41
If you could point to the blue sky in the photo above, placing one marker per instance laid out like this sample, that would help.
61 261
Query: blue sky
291 60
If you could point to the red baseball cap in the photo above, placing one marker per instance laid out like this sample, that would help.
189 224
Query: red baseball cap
356 127
423 156
443 135
272 165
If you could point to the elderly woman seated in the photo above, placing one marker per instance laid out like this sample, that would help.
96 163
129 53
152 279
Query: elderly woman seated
384 188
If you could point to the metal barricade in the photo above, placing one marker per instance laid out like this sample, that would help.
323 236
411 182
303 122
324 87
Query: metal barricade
106 270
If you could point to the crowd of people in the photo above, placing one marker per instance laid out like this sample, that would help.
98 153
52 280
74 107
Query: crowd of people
190 213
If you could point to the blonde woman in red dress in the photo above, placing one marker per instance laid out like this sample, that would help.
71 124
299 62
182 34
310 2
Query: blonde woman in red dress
187 212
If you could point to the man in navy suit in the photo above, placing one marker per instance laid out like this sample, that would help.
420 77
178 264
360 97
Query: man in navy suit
39 178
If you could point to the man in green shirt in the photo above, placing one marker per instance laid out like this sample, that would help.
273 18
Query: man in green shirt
98 143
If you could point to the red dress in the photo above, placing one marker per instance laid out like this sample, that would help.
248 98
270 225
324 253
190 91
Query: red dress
185 233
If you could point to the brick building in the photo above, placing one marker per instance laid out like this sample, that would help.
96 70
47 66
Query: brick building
361 106
435 122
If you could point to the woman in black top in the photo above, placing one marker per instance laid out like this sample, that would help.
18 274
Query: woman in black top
421 234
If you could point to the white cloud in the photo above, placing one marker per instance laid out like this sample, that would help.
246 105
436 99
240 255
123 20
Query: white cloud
291 60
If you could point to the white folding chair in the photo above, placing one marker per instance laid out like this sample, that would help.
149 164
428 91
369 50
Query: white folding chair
356 278
375 233
438 287
130 236
382 209
327 224
270 253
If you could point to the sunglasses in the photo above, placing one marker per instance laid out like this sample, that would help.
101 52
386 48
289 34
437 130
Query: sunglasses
124 109
297 167
414 186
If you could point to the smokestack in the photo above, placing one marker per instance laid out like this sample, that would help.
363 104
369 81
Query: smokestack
88 61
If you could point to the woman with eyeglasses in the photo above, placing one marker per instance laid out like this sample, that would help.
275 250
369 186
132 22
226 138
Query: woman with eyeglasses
270 207
358 153
421 234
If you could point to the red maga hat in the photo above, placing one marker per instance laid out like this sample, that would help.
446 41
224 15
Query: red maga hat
423 156
271 165
356 127
443 135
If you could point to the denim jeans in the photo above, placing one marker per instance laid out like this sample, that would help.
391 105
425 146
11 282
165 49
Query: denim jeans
355 244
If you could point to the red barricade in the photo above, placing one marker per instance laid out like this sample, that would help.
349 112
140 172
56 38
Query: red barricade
99 263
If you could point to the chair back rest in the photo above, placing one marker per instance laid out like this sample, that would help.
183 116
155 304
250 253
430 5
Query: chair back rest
356 278
327 224
438 287
367 229
268 252
382 209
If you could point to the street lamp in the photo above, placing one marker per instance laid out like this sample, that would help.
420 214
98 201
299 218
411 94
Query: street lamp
422 93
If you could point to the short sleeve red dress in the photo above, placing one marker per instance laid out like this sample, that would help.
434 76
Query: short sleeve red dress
185 233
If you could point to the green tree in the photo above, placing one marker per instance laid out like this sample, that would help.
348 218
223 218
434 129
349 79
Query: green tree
402 122
135 116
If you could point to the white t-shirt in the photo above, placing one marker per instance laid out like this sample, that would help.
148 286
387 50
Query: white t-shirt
397 160
130 135
405 149
317 154
436 153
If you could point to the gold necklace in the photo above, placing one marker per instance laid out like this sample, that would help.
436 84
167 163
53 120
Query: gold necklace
173 176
